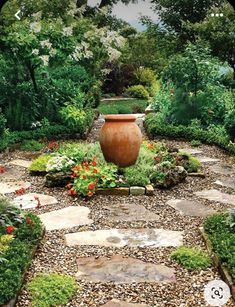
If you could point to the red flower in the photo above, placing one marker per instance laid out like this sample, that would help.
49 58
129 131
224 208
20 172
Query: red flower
20 191
2 169
53 145
84 177
96 179
28 221
103 177
157 159
89 194
72 192
39 203
94 163
95 171
10 229
73 175
69 186
85 163
91 186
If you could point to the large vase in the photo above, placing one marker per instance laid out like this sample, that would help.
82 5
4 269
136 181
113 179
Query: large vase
120 139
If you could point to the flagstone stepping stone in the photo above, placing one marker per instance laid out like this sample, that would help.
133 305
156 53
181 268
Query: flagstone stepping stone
224 169
129 212
192 151
226 182
21 162
119 269
11 187
190 208
10 174
126 237
66 218
28 201
207 159
216 195
117 303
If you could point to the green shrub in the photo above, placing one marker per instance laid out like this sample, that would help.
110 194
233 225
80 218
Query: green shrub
134 176
191 258
9 215
195 143
51 290
31 145
123 106
137 91
222 238
230 123
190 163
2 124
40 164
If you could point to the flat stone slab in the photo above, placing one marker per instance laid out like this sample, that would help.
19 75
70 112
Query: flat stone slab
207 159
135 191
28 201
21 162
11 187
122 270
224 169
11 174
129 212
216 195
126 237
226 182
66 218
190 208
192 151
117 303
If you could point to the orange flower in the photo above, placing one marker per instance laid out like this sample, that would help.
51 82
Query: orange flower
95 171
103 177
69 186
89 194
85 163
73 175
91 186
94 163
72 192
84 177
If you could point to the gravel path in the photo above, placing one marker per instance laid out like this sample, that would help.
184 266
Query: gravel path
54 256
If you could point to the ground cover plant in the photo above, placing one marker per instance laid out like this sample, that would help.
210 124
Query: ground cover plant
19 235
123 106
51 290
191 258
220 230
84 163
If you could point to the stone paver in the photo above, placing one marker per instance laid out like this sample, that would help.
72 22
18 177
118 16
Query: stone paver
117 303
21 162
216 195
11 187
11 174
66 218
135 191
207 159
122 270
224 169
192 151
190 208
126 237
28 201
226 182
129 212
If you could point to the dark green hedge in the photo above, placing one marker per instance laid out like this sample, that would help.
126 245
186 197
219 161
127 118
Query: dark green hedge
156 127
18 257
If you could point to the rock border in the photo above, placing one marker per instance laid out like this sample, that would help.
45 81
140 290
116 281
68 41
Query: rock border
221 268
126 191
13 301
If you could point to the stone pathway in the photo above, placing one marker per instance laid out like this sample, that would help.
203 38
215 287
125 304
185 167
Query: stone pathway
119 247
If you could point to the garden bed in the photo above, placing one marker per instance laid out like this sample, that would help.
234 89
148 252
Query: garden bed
20 235
82 168
219 243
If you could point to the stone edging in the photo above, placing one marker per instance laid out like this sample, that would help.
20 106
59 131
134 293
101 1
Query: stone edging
12 302
221 268
125 191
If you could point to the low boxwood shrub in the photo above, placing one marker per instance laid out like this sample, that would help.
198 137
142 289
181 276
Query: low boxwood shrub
216 135
24 232
51 290
219 228
31 145
191 258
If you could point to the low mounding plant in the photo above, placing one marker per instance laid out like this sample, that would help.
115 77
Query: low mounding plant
51 290
9 215
59 163
137 91
191 258
40 163
31 145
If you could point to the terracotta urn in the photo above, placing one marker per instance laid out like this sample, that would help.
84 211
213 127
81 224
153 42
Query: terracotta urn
120 139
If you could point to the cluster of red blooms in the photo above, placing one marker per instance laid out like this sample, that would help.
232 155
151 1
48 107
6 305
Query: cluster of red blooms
151 146
53 145
157 159
10 229
2 169
83 172
38 202
20 191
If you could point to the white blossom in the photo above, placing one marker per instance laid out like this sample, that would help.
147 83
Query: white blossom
52 52
35 52
46 43
59 163
114 54
35 27
45 59
68 31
